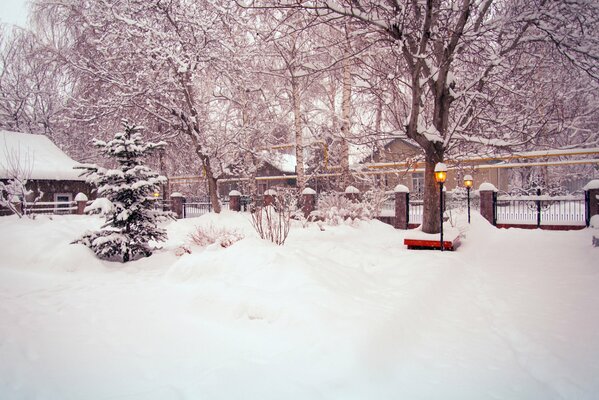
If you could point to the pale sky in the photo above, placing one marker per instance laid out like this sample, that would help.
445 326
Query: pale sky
14 12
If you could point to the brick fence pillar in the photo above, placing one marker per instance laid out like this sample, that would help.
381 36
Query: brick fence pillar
592 194
177 201
308 201
269 198
352 193
81 200
488 196
402 199
234 200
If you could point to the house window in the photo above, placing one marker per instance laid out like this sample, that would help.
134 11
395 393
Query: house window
63 202
418 183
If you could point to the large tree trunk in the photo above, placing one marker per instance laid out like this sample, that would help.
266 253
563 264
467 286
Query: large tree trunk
212 184
430 213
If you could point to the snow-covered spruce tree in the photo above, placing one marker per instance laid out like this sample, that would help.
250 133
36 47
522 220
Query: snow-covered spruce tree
132 221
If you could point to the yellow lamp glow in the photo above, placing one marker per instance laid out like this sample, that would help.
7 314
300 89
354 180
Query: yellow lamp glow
468 182
440 172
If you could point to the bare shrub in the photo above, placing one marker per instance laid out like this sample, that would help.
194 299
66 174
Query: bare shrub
273 222
205 236
17 165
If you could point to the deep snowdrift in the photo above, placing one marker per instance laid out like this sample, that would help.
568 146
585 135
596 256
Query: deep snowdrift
347 313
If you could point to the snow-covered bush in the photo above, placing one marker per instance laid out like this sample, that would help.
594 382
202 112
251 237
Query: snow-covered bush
374 200
205 236
335 208
131 221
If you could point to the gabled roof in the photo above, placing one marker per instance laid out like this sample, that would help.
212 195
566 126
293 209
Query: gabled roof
37 155
283 162
386 145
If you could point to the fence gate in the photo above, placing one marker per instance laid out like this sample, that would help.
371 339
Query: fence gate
541 210
196 208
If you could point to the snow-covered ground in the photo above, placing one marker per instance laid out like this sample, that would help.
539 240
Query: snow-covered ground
345 313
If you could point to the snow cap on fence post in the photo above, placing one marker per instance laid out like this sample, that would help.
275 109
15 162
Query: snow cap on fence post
487 187
488 196
592 196
177 200
269 197
308 201
81 200
235 200
402 199
352 193
401 189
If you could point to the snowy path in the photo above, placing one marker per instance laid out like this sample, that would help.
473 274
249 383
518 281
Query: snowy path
343 314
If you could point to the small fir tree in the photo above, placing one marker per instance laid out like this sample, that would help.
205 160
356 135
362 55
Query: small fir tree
132 220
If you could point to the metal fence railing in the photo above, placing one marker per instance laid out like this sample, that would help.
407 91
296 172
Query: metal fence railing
541 210
196 209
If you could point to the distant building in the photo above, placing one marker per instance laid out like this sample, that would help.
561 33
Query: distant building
278 170
401 162
48 170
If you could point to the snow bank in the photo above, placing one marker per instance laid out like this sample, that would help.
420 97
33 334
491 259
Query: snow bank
344 313
44 243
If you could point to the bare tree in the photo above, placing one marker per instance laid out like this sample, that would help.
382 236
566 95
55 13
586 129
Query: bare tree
175 63
32 86
450 57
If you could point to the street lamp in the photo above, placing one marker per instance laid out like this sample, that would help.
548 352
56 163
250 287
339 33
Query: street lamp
440 176
468 183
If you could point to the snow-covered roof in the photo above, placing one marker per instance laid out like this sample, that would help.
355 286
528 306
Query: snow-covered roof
284 162
37 156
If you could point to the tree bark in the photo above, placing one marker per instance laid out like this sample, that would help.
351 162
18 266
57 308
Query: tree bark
299 141
345 124
212 184
430 212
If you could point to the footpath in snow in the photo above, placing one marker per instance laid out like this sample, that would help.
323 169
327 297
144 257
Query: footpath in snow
345 313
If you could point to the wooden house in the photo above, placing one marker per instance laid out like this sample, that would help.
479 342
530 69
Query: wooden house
50 173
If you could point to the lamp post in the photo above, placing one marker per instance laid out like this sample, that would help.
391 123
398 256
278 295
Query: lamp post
468 183
440 176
